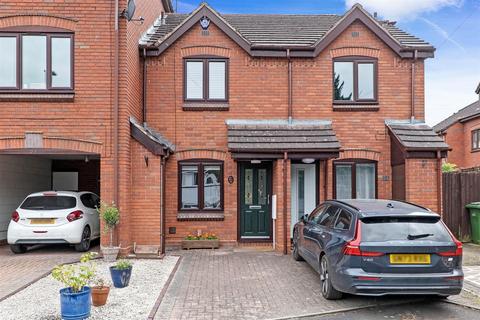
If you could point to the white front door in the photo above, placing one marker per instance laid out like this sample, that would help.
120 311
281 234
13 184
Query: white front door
303 191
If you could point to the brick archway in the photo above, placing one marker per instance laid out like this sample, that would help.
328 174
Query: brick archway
201 154
360 154
49 144
38 19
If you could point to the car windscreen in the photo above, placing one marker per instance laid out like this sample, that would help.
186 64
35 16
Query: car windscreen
49 203
381 229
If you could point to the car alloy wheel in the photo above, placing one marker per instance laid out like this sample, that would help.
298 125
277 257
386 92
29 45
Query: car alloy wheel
328 291
85 244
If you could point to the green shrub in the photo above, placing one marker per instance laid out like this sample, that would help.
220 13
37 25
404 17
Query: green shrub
110 216
123 265
449 167
76 276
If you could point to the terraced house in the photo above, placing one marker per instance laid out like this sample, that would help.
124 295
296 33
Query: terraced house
230 123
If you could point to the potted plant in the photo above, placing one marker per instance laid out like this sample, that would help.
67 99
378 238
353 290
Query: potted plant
121 273
111 217
100 291
201 241
75 299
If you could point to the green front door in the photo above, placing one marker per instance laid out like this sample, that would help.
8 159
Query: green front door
255 191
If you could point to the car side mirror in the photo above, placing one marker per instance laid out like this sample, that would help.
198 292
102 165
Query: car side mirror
304 218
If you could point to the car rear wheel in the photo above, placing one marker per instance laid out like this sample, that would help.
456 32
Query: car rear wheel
328 291
295 254
86 238
18 248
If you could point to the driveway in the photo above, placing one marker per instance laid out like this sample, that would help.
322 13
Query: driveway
239 284
19 270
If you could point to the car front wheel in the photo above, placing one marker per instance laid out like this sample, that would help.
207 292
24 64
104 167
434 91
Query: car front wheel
328 291
18 248
86 238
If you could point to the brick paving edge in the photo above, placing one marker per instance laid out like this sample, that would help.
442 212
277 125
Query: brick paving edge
159 300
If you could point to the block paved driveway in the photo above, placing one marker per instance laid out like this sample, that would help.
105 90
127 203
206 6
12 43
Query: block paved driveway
18 270
240 284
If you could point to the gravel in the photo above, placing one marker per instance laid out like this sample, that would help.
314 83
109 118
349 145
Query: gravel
41 300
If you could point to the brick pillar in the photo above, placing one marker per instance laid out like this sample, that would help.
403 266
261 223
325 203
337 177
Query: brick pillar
278 189
421 182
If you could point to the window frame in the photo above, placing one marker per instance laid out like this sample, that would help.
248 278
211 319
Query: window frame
353 163
356 60
338 216
205 92
475 132
201 163
49 33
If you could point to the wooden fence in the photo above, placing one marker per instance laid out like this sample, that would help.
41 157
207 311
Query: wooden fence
459 189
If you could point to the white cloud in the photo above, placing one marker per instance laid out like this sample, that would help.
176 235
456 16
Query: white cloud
403 9
442 32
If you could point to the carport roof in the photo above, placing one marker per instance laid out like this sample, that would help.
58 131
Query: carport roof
150 138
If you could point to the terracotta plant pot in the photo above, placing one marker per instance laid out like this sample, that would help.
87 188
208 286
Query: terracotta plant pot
100 295
110 253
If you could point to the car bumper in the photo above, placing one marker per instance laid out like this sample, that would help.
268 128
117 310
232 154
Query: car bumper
70 233
379 284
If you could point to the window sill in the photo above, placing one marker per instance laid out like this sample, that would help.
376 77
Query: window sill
475 150
196 216
40 97
205 106
356 107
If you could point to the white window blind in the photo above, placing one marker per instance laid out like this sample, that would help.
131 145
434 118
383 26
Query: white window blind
216 80
61 63
194 76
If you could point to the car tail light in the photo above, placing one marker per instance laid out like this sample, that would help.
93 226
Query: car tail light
458 251
352 248
50 194
363 278
15 216
454 278
75 215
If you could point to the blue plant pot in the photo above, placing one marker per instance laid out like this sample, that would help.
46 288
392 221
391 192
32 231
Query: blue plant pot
75 305
120 278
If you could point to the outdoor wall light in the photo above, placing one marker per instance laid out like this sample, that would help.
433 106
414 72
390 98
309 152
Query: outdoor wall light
308 160
256 161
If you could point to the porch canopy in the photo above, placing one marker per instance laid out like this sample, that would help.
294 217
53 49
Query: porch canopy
415 139
152 140
263 139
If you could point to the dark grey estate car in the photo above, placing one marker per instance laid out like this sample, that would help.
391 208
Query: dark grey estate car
379 247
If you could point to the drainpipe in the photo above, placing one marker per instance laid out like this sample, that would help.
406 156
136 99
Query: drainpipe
115 109
412 111
290 104
439 181
285 203
144 89
162 202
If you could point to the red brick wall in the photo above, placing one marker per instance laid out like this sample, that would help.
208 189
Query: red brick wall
258 90
459 138
421 182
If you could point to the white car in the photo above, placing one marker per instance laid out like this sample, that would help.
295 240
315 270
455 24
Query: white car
55 217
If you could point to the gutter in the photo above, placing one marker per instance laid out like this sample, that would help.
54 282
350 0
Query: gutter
144 88
439 182
290 102
163 162
285 203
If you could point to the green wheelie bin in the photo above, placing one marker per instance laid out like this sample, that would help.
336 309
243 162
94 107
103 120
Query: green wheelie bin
474 209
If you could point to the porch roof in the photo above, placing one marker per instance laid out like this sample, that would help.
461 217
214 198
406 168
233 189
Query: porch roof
150 138
416 136
275 135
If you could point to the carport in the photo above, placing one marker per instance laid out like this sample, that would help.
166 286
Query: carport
27 170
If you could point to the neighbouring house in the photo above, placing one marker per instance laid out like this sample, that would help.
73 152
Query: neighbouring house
461 131
234 124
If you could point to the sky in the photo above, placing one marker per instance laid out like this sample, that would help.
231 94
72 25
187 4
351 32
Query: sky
452 26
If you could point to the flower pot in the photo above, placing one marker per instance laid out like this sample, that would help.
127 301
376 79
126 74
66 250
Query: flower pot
120 278
110 253
75 305
200 244
100 295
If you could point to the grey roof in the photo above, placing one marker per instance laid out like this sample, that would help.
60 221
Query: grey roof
277 29
467 112
151 135
280 135
416 136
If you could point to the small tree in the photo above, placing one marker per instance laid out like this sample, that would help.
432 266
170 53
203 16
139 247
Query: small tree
449 167
110 216
76 276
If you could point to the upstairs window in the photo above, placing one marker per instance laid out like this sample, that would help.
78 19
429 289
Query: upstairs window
206 79
354 80
36 62
476 140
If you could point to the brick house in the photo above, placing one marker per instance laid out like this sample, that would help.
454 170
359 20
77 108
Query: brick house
461 131
233 124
